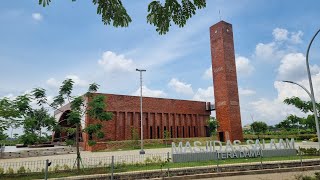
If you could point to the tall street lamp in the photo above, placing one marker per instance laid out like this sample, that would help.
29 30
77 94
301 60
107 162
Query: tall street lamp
311 86
314 110
141 70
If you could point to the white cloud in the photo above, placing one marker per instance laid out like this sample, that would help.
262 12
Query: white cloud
204 94
268 52
112 62
293 67
78 82
280 34
244 66
208 73
180 87
296 37
37 16
288 90
280 46
149 93
52 82
272 111
246 92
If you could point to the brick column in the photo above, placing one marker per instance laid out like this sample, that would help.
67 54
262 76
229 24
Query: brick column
225 81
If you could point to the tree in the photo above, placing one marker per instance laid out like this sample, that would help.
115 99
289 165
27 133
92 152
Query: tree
89 104
8 112
135 137
259 127
292 122
160 15
3 136
12 112
36 124
306 107
213 125
166 136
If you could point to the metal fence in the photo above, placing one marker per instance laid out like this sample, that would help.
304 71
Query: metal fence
156 165
68 164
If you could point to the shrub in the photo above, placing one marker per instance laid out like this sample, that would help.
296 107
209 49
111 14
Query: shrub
314 139
66 167
10 170
28 170
91 143
1 171
56 168
21 170
70 142
309 151
317 174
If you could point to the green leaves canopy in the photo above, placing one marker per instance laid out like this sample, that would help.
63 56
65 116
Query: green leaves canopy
95 107
160 15
13 111
259 127
292 120
213 125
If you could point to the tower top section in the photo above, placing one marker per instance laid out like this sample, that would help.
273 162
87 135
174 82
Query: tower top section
220 30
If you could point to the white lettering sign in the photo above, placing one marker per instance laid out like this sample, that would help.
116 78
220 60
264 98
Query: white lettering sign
233 149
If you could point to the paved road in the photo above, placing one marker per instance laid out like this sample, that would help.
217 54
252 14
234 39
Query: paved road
273 176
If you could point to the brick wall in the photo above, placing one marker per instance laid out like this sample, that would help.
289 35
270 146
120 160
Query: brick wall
181 118
225 81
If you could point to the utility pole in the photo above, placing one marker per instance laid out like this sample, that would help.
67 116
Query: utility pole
141 113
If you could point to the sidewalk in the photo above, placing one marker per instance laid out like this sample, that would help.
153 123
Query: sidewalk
87 154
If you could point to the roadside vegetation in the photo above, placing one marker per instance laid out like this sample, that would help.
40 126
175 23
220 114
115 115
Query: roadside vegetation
149 164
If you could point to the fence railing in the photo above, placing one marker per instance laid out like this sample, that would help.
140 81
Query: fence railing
155 165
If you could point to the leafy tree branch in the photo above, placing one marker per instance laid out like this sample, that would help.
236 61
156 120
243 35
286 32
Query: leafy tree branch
160 15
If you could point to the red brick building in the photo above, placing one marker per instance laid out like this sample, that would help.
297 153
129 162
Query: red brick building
182 118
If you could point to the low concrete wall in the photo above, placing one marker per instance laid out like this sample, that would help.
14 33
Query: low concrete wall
38 152
206 156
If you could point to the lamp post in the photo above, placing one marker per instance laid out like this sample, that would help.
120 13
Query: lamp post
141 70
311 86
314 109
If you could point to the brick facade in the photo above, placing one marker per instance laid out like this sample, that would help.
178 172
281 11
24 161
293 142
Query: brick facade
225 81
182 118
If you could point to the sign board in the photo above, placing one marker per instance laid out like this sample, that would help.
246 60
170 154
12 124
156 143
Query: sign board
214 150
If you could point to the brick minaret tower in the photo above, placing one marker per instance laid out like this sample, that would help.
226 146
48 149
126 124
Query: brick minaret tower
225 82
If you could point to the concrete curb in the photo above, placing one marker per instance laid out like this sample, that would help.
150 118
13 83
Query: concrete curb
199 176
240 173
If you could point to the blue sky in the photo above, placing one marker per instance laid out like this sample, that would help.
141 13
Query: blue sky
40 47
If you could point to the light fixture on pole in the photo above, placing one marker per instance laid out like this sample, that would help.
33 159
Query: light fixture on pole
141 125
311 86
315 110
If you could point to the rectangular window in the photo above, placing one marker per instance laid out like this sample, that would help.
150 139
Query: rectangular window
150 132
183 132
158 129
177 132
171 132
